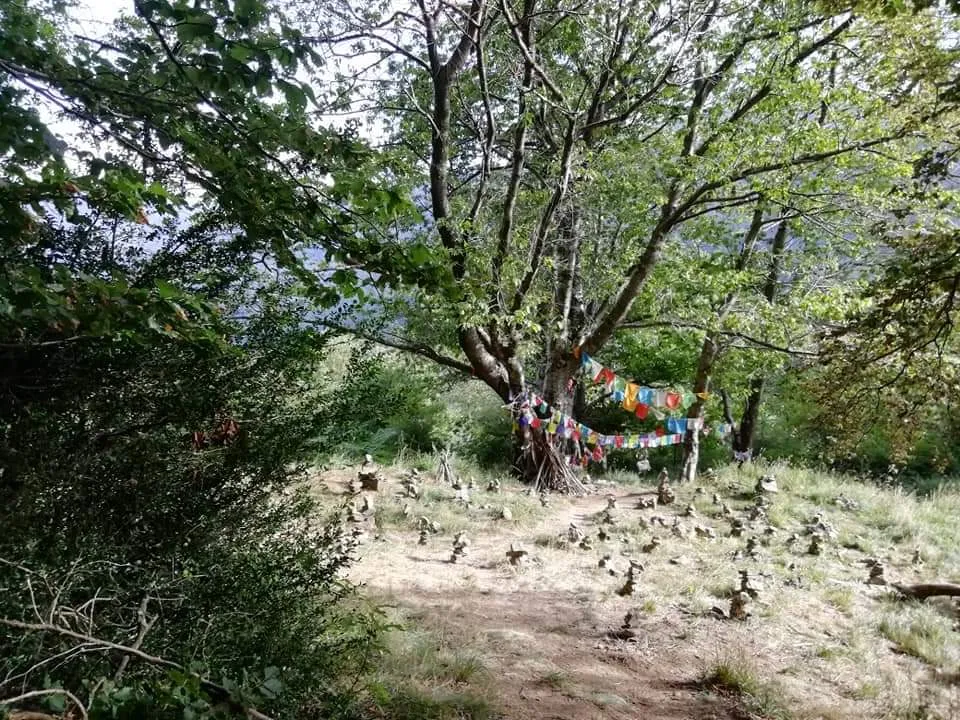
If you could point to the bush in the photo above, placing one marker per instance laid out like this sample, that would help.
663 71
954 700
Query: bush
149 498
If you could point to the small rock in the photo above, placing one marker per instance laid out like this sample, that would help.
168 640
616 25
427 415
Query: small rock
846 503
766 484
493 486
704 532
699 491
917 558
506 513
677 529
424 534
657 520
816 545
716 499
737 527
611 502
574 534
602 535
690 511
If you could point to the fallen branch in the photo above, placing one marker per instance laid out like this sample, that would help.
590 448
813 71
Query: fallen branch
219 692
924 590
41 693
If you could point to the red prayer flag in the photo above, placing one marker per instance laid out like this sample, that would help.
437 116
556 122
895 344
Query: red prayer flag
642 410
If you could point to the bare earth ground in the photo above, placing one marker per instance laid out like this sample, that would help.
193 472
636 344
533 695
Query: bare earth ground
542 630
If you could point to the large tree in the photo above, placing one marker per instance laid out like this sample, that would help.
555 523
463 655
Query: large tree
564 148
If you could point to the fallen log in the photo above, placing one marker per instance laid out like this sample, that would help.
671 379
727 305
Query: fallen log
924 590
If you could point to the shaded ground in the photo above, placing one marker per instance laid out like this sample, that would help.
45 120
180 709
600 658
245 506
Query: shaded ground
542 630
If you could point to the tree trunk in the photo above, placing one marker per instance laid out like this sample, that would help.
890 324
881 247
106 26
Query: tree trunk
743 438
701 384
746 431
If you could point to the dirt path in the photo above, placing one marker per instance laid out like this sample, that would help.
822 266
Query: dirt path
543 630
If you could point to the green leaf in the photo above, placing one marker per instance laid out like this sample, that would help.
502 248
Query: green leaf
166 290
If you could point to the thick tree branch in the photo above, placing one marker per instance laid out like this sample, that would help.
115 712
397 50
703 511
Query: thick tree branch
546 217
683 324
529 54
400 344
518 157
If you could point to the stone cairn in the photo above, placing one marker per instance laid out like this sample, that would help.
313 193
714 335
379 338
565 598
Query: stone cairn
746 587
665 494
493 486
574 534
606 562
738 606
647 503
677 529
703 531
353 515
424 536
716 499
602 535
818 526
652 545
876 568
611 502
409 485
737 527
366 506
766 484
690 511
544 501
585 543
751 550
431 526
633 575
516 554
369 474
816 544
460 545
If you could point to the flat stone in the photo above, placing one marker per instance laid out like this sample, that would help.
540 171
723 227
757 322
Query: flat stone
609 700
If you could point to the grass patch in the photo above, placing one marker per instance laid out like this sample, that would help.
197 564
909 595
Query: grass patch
922 632
840 598
555 680
408 703
423 677
735 676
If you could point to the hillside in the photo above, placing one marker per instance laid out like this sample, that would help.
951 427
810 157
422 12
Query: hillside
545 638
